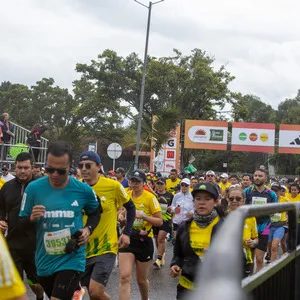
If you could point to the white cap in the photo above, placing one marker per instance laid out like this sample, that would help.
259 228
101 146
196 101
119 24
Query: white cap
186 181
210 172
224 175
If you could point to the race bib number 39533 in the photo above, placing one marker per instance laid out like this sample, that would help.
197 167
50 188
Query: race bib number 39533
55 242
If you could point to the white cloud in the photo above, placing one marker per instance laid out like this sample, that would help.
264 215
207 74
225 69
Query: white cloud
257 40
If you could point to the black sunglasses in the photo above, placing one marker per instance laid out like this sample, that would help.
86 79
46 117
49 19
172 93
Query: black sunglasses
210 175
183 184
87 166
51 170
238 199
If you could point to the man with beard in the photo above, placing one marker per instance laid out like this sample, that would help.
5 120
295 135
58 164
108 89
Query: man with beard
258 194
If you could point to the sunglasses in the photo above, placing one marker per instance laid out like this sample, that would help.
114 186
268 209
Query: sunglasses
183 184
238 199
51 170
210 175
159 183
87 166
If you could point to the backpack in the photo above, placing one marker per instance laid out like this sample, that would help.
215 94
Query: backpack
31 139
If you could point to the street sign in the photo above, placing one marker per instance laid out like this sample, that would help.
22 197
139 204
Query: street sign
114 151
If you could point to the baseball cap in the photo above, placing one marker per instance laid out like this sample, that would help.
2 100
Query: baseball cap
90 155
120 170
224 175
186 181
138 175
161 180
4 167
210 172
275 186
207 187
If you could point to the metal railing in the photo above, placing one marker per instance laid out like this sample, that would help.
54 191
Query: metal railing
19 142
220 275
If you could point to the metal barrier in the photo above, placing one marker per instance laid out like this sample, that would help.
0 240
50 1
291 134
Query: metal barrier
21 135
220 275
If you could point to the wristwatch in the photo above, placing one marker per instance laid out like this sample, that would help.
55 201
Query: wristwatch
144 217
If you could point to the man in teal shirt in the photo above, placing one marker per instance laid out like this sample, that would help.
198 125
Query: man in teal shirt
55 203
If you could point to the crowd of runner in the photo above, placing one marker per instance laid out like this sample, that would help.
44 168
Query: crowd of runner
65 227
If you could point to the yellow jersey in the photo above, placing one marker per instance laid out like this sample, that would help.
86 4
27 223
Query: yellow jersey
2 181
170 185
146 204
200 239
250 232
104 238
296 199
223 186
11 284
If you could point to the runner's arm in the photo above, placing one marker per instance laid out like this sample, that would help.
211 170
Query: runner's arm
93 218
130 208
178 256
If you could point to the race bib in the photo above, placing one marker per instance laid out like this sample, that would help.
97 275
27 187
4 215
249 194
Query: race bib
164 208
259 200
138 222
275 218
55 242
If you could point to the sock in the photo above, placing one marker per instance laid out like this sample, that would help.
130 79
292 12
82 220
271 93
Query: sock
159 257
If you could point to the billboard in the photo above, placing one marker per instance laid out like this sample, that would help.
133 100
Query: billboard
289 139
253 137
168 157
206 135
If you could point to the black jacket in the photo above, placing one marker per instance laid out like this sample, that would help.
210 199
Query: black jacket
18 236
183 254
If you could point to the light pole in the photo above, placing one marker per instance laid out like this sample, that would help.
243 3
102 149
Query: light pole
139 129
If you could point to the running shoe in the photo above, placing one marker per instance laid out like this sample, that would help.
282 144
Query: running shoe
78 295
157 264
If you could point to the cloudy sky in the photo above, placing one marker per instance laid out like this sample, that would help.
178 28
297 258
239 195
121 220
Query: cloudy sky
259 41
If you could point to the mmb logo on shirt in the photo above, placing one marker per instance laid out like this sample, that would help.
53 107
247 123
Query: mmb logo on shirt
59 214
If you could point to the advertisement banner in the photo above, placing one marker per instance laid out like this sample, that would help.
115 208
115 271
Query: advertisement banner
206 135
253 137
169 155
289 139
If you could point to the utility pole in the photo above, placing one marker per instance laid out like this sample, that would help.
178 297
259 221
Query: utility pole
140 118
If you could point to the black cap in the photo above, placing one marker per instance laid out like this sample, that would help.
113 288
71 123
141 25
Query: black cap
120 170
138 175
4 167
161 180
207 187
275 186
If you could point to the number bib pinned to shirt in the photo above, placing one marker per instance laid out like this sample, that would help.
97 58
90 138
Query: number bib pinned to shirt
259 200
55 242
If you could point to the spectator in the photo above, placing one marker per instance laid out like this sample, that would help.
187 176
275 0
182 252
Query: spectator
5 174
8 134
35 139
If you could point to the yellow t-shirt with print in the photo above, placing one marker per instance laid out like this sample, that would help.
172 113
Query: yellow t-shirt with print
147 204
250 232
11 285
223 186
200 239
170 185
2 181
104 238
296 199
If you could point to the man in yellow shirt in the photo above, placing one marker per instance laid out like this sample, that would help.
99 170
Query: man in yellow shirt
102 246
11 285
2 181
224 184
172 181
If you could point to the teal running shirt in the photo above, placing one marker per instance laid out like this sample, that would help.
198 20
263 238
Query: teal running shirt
63 217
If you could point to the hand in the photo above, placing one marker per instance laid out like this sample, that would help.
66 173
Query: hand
174 271
139 215
85 233
3 226
124 241
177 210
121 218
169 209
189 214
250 243
37 212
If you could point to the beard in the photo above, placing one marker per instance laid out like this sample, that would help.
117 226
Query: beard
258 182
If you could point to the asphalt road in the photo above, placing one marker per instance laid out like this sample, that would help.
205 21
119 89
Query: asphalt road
162 286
